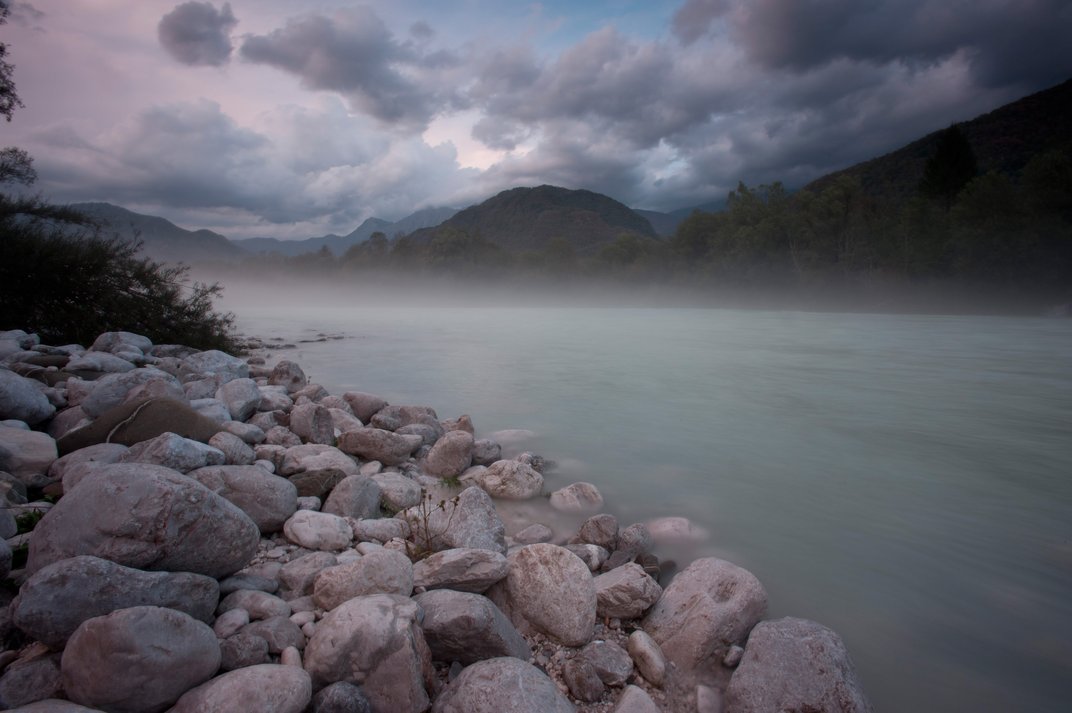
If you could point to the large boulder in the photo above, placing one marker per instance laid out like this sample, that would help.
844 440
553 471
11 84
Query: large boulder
153 656
111 390
241 396
315 456
102 362
147 517
466 627
461 569
312 423
379 572
364 405
709 606
265 688
216 363
376 642
355 496
171 450
550 591
795 665
22 400
120 342
32 677
136 421
58 598
102 453
502 684
288 375
27 455
318 530
268 499
510 480
377 444
450 455
577 497
397 492
467 520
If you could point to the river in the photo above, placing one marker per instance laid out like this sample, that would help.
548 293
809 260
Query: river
904 480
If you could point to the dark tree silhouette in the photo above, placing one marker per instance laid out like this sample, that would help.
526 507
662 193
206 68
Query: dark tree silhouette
952 167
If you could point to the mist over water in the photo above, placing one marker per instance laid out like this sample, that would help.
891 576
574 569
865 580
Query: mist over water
902 479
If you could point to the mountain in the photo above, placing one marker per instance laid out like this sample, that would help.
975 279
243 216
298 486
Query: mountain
338 244
529 218
163 240
1003 140
665 224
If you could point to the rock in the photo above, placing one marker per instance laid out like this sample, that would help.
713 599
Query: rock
273 399
647 656
312 423
533 534
267 499
380 529
212 409
635 700
364 405
58 598
317 483
708 607
200 389
113 389
460 569
675 530
577 497
288 375
250 434
318 530
256 604
376 642
241 650
633 542
241 396
146 517
611 662
131 423
281 436
291 656
311 393
502 684
377 444
266 688
380 572
249 579
625 592
54 705
450 455
592 555
795 664
158 654
228 624
428 434
299 575
31 679
486 452
467 520
171 450
510 480
582 680
315 456
341 697
215 362
355 496
102 453
235 450
466 627
397 492
121 341
21 399
99 361
6 558
27 455
343 421
66 421
279 631
9 527
548 590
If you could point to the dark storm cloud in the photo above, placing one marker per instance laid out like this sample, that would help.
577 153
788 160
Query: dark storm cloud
354 53
694 18
196 33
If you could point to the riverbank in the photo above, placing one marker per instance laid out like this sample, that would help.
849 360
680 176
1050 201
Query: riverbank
321 519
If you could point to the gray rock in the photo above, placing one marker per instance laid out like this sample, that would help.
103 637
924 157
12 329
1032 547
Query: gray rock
428 434
707 608
633 542
212 409
198 389
99 361
467 520
356 496
486 452
635 700
215 362
67 420
397 492
548 590
121 341
311 393
147 517
111 390
312 423
274 400
460 569
577 497
21 399
450 455
246 579
610 662
250 434
502 684
510 480
315 456
647 656
675 530
9 527
281 436
288 375
103 453
380 529
364 405
376 642
592 555
54 705
279 631
380 572
601 530
266 688
27 455
341 697
171 450
317 483
582 680
164 653
533 534
798 665
377 444
466 627
29 680
241 396
268 499
318 530
342 420
235 450
256 603
6 557
131 423
299 575
625 592
241 650
228 624
58 598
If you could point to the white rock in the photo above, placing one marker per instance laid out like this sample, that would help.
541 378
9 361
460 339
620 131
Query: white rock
318 530
510 480
577 497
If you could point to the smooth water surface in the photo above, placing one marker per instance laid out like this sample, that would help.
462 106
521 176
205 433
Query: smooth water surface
905 480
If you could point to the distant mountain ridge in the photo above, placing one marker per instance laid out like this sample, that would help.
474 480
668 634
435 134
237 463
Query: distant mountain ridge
522 219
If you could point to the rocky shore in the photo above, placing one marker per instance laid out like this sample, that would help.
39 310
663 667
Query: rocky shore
196 532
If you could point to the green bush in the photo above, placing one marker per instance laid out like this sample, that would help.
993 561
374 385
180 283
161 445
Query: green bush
64 279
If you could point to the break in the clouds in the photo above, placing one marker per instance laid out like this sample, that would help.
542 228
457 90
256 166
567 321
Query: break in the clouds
337 111
196 33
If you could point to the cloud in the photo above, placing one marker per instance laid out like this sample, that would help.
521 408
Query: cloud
196 33
693 19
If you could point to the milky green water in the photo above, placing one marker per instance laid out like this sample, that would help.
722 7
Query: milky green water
905 480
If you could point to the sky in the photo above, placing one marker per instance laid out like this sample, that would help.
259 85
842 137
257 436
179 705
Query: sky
296 119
